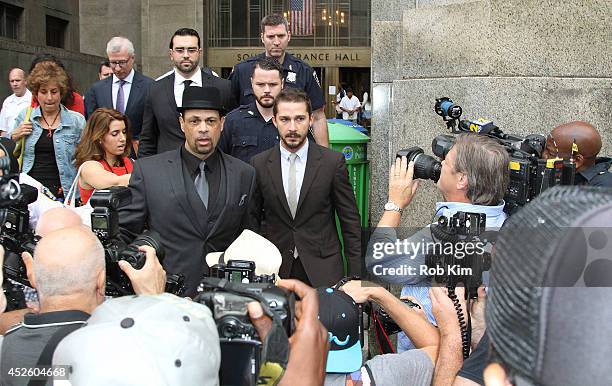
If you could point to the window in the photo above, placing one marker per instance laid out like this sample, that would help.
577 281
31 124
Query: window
9 21
56 31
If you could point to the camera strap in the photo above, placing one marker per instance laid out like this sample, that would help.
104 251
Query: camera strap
275 348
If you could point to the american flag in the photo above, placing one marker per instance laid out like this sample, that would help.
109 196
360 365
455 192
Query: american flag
301 17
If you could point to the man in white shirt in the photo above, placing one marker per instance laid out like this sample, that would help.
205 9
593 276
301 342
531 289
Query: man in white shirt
300 186
350 105
161 130
16 102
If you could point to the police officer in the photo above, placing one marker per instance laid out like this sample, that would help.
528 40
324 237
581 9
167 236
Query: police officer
275 36
581 142
249 130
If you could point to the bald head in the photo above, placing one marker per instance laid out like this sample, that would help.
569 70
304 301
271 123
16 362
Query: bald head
55 219
559 143
67 262
17 80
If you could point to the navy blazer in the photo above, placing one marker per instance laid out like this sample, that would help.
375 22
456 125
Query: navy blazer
100 94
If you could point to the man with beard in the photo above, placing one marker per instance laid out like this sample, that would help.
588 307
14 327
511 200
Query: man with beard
300 187
161 130
249 130
194 196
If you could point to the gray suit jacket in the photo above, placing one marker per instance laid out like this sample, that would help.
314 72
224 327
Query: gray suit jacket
164 201
100 94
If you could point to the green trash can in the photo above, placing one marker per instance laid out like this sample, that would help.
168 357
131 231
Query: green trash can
353 145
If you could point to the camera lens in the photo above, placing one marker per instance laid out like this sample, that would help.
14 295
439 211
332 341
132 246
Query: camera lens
152 239
229 328
425 166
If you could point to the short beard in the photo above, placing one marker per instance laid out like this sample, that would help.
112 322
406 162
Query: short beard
267 105
297 145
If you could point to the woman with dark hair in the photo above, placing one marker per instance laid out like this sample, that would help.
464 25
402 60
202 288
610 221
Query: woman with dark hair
51 132
102 154
72 99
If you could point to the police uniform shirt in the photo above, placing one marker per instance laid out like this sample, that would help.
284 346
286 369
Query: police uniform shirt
597 175
246 133
296 74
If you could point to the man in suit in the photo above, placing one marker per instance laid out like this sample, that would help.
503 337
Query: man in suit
300 187
194 196
125 91
161 130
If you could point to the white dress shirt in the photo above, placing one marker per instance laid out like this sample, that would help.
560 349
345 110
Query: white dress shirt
179 86
300 168
11 107
126 89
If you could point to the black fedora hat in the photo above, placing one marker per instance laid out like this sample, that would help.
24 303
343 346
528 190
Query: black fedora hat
206 98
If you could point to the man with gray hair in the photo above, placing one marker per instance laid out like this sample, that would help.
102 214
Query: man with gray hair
473 178
70 284
125 91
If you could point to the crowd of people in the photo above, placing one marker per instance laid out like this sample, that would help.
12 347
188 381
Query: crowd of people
205 158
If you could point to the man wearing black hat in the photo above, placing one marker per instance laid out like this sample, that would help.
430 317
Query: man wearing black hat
194 196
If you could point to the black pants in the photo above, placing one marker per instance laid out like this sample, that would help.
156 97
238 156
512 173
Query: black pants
298 272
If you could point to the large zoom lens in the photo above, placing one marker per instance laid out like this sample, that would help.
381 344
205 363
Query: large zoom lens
426 167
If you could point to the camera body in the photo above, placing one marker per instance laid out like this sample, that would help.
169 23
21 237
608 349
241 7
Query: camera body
241 346
105 225
450 267
16 236
240 271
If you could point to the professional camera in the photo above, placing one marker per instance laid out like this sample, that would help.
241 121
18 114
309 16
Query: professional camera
16 236
105 225
241 346
530 174
240 271
460 255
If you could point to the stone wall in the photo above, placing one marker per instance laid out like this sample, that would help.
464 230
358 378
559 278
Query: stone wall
82 67
527 64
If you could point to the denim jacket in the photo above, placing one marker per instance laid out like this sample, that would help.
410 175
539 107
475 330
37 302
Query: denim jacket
65 139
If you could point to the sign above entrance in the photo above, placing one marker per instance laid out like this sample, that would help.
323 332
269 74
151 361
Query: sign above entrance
316 57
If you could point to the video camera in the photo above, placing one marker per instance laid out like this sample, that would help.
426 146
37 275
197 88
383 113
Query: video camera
530 174
105 225
227 298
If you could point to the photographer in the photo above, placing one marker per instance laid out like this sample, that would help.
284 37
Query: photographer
473 178
548 312
70 284
581 142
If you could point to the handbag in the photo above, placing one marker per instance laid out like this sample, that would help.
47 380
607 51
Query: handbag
84 211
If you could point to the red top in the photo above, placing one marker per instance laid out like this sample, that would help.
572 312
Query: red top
78 105
117 170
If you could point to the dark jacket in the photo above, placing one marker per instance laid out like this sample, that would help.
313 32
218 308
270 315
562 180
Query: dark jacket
161 130
101 95
165 199
326 191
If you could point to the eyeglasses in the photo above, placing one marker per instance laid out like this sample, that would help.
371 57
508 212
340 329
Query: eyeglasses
120 63
189 50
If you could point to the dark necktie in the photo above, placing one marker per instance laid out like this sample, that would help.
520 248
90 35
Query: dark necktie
120 97
187 82
201 184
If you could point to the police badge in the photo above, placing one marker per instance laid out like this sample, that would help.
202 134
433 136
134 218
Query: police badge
291 77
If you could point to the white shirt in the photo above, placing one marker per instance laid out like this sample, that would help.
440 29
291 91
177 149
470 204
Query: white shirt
300 168
11 107
126 89
350 104
179 86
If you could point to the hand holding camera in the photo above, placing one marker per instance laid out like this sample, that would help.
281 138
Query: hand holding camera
148 280
402 187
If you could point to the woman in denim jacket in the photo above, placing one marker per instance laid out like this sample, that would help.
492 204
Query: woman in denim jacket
52 131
